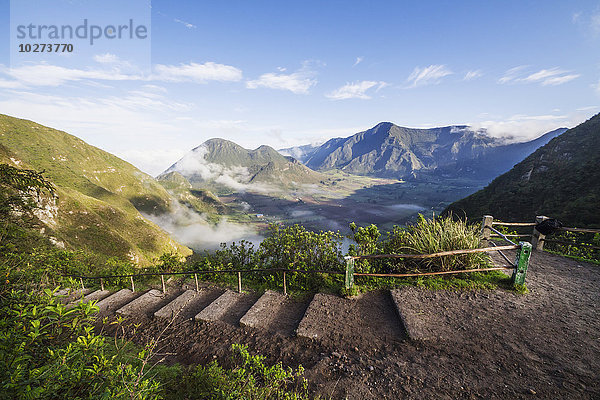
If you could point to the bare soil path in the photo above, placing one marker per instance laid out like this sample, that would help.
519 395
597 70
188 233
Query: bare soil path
492 345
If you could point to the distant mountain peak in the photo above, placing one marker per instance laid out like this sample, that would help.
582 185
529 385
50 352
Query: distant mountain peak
392 151
225 163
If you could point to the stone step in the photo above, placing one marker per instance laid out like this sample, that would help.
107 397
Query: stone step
116 300
306 326
174 309
218 309
94 296
73 294
264 310
144 305
410 314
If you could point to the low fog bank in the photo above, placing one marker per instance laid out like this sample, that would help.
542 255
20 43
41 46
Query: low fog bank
191 229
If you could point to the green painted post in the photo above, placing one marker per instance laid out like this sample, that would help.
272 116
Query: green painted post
349 272
521 263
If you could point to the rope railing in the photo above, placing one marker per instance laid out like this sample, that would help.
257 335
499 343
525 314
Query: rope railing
503 236
349 273
196 273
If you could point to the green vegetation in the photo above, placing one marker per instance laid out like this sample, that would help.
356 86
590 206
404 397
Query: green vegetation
199 200
581 247
560 180
295 247
50 352
98 196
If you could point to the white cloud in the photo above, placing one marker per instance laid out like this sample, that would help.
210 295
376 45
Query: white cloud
355 90
553 76
589 108
5 84
545 77
518 128
298 82
114 69
358 61
597 87
470 75
192 229
106 58
199 73
430 75
512 74
235 177
52 75
186 24
153 161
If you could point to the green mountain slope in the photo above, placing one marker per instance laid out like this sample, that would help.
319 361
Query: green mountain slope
219 162
200 200
560 180
99 195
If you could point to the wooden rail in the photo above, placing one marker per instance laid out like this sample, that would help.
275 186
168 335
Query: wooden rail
514 223
440 254
437 273
537 238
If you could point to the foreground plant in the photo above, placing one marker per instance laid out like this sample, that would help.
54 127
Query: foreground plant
50 352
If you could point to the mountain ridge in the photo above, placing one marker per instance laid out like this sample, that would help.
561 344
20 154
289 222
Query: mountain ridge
391 151
226 163
560 180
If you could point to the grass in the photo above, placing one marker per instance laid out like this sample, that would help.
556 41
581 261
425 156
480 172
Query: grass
99 194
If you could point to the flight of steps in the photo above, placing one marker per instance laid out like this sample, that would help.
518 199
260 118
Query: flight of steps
271 311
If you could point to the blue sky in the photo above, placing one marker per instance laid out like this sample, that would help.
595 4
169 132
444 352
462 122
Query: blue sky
283 73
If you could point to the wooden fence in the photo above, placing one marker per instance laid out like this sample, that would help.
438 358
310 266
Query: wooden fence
518 266
537 239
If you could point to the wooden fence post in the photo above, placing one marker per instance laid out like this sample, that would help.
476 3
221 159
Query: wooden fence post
284 285
162 279
521 263
239 282
132 285
349 272
537 239
101 284
486 231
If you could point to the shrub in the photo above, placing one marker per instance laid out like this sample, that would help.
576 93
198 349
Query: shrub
428 236
49 352
249 378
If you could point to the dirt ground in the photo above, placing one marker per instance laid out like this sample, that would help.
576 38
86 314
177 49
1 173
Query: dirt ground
492 345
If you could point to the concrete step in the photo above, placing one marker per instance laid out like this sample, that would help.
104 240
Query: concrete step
94 296
417 323
218 309
264 310
306 326
116 300
144 305
71 295
174 309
